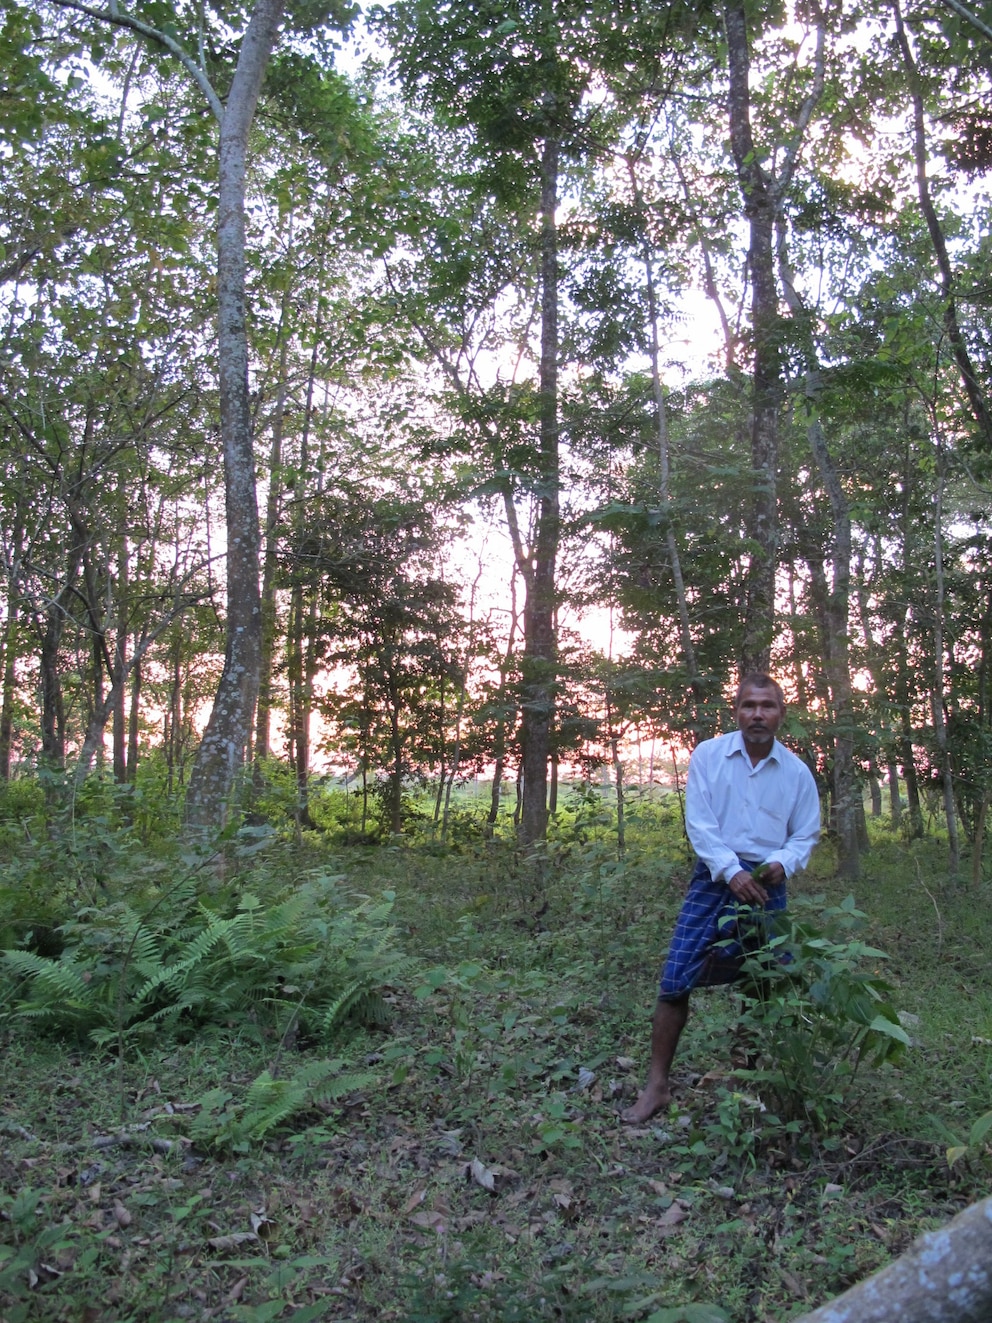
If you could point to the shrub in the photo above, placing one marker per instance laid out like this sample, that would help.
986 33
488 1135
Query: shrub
308 961
815 1009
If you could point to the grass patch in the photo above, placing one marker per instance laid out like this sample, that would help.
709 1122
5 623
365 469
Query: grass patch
476 1168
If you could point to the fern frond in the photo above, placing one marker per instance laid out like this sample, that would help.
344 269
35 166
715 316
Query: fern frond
170 978
57 980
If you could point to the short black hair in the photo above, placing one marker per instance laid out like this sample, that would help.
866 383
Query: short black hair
758 680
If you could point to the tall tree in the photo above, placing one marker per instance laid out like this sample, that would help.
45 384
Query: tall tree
764 187
225 739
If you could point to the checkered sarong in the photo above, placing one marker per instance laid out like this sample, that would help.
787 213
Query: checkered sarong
711 915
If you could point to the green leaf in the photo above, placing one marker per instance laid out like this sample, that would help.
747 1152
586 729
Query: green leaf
980 1129
881 1025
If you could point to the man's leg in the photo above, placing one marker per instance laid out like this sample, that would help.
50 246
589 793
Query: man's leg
666 1030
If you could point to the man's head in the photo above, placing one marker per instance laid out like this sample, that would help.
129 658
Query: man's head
759 706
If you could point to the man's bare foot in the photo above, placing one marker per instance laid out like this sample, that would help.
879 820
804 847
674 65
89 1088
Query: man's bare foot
652 1098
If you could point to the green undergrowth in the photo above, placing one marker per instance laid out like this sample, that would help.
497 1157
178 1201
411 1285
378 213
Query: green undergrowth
458 1154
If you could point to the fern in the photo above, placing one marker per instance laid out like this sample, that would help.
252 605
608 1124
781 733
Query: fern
58 989
170 979
305 957
227 1124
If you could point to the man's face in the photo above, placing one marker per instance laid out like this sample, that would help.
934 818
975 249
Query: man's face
759 715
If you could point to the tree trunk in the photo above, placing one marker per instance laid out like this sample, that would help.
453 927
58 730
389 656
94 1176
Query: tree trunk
52 715
955 338
939 718
303 818
538 661
618 783
132 725
456 752
895 802
396 751
762 195
945 1277
664 462
981 815
119 669
875 790
900 635
222 749
295 736
767 391
846 797
501 720
9 692
273 507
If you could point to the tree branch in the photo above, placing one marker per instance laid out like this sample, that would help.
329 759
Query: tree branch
115 18
781 183
943 1278
969 17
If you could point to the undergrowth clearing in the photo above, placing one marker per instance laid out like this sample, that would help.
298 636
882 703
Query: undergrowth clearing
462 1159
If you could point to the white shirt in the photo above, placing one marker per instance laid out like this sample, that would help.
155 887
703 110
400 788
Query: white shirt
734 811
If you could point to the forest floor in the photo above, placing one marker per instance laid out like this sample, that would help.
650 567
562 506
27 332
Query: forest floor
484 1173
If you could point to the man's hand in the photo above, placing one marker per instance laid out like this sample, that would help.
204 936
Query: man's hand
745 888
772 873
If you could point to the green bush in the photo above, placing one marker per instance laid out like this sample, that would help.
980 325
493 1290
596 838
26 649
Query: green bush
306 963
815 1008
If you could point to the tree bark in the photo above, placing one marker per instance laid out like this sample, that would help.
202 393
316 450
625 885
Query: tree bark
499 740
222 749
900 635
664 449
273 509
846 797
939 685
9 692
133 743
538 660
762 193
945 1277
959 347
767 390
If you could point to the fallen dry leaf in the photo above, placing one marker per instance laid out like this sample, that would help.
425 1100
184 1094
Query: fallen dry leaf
672 1215
236 1291
121 1216
714 1077
415 1200
232 1241
480 1173
430 1219
796 1287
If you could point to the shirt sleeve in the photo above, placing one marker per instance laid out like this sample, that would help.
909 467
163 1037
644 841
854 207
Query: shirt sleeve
804 826
700 819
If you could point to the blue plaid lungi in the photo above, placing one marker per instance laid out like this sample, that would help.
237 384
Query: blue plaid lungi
712 934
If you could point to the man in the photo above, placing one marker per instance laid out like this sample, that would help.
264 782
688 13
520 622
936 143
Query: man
749 804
